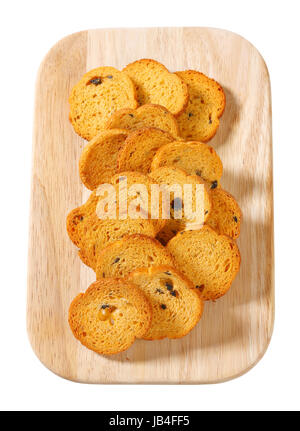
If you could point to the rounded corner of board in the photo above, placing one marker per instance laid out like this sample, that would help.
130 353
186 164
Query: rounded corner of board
259 54
252 365
70 39
236 35
47 365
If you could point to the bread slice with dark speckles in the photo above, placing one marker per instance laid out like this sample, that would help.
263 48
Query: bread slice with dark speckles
225 216
211 261
176 306
98 94
200 119
129 253
110 315
195 158
148 115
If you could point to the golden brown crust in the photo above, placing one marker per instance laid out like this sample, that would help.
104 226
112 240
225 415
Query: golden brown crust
110 315
78 217
100 233
196 158
140 147
211 261
226 215
148 115
200 119
131 252
169 175
147 144
176 306
96 96
155 84
98 160
171 228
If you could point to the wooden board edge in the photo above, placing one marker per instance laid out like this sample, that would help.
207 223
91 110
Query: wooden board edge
272 289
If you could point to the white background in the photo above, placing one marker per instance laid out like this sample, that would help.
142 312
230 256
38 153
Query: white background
28 30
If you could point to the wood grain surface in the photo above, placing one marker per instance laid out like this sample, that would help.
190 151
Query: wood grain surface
235 330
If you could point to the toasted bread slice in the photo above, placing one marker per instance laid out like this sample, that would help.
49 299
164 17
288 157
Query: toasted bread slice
148 115
171 228
98 160
140 147
137 184
211 261
100 233
226 215
78 217
200 119
131 252
110 315
96 96
155 84
196 158
170 176
176 306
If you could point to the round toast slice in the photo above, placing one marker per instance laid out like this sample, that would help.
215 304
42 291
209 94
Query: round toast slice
196 158
176 306
226 215
211 261
100 233
131 252
109 316
148 115
155 84
170 176
77 219
98 94
140 147
98 160
200 119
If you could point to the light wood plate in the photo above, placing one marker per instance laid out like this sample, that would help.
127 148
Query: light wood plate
235 330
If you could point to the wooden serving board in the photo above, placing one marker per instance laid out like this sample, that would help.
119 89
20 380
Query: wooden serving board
235 330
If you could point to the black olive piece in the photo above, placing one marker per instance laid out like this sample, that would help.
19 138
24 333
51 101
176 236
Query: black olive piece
201 287
105 306
131 115
116 260
169 285
190 114
235 219
214 184
163 306
167 272
198 173
174 293
95 81
176 204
